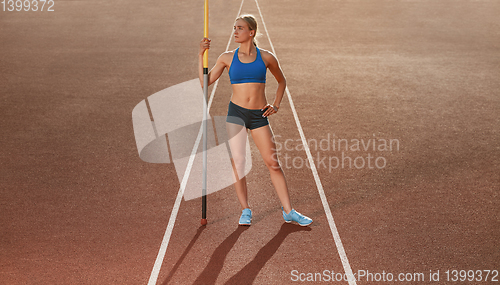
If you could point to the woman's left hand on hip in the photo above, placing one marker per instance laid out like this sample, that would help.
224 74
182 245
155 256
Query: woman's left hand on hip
269 110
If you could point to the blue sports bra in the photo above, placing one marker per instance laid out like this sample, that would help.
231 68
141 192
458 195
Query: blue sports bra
240 72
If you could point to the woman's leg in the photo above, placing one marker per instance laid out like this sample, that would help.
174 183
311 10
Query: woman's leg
263 138
237 138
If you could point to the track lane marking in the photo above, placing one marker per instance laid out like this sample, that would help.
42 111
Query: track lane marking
319 185
153 278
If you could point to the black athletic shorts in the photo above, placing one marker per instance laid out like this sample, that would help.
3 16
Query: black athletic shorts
250 118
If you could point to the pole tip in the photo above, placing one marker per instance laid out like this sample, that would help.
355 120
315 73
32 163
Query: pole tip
203 222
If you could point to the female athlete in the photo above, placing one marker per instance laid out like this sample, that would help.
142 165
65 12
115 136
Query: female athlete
248 109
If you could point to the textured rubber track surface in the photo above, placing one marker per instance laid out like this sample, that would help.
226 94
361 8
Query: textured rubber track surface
78 206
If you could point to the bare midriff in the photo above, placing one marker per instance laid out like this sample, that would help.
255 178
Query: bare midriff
249 95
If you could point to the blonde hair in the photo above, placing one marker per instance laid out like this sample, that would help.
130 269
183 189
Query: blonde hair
252 25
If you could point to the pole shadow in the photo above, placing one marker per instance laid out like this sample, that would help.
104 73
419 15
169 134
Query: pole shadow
184 254
248 273
216 262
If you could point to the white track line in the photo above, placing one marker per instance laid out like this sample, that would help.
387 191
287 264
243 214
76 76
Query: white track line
328 212
175 210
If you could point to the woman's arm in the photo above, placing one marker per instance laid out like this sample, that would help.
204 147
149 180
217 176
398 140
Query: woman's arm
274 67
216 71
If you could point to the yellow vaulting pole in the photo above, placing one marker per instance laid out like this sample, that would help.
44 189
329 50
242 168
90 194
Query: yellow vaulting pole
205 111
205 35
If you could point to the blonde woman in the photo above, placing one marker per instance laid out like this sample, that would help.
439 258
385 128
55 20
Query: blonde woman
248 109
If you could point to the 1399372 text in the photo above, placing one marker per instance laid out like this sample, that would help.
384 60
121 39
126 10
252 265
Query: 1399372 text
28 5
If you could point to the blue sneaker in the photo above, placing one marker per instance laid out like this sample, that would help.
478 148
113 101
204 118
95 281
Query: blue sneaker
246 217
297 217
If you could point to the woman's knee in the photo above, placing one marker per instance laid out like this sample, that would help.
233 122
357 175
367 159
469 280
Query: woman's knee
239 162
273 164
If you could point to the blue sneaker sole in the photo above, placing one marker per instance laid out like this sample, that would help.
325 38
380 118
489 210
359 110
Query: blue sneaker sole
289 222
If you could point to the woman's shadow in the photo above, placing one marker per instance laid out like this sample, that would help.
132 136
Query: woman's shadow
214 267
216 262
248 273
